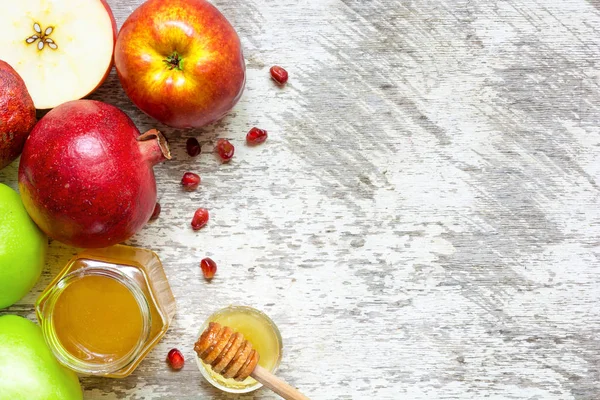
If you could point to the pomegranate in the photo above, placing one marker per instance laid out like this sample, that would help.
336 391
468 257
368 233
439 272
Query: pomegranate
192 147
190 181
175 359
256 136
156 212
224 149
86 174
200 219
209 268
278 74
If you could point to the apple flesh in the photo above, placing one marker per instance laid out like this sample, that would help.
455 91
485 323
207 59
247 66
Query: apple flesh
17 114
62 48
180 61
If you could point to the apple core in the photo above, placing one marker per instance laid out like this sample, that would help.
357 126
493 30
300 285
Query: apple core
42 37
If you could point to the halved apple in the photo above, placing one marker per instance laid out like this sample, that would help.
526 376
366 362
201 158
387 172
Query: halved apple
61 48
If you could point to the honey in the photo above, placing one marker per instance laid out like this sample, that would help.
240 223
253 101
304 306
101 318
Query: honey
97 319
106 310
260 331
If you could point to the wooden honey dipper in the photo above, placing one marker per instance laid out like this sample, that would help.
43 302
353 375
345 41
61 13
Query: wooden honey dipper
232 356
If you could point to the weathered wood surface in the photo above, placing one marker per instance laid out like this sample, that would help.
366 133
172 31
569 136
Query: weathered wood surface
424 220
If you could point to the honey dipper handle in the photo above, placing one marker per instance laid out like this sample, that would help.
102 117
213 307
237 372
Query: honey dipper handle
277 385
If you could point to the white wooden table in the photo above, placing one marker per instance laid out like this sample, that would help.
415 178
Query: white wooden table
424 220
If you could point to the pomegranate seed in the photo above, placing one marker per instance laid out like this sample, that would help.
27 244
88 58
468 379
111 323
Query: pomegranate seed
190 181
279 74
156 212
256 136
200 219
175 359
209 268
224 149
193 147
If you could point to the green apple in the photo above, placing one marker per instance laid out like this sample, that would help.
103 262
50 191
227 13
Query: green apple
22 249
28 370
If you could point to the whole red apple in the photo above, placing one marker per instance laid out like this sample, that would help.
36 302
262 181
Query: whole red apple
86 176
180 61
17 114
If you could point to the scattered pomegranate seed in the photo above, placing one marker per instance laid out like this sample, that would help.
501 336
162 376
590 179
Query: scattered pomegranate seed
279 74
193 147
200 219
256 136
175 359
224 149
209 268
156 212
190 181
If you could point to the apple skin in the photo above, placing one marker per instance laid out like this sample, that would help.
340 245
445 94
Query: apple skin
213 72
22 249
115 32
17 114
112 19
28 369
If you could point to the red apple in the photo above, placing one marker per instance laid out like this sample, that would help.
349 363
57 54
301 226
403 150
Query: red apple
17 114
62 49
86 176
180 61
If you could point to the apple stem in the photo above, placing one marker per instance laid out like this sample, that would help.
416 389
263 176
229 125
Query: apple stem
154 147
174 61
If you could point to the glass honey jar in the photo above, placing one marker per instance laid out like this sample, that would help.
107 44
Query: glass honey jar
260 331
106 310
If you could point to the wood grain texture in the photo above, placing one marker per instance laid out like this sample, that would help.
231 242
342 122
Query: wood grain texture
424 220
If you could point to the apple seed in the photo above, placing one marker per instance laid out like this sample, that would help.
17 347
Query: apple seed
42 37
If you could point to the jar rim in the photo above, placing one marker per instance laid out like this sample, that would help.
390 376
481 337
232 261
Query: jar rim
61 353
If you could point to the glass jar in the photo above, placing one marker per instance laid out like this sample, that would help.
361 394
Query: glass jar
106 310
259 330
